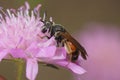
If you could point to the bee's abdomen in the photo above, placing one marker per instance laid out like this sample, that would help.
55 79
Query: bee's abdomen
75 56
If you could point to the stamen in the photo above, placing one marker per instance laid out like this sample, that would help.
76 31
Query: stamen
37 9
9 13
1 9
1 17
13 11
19 42
27 6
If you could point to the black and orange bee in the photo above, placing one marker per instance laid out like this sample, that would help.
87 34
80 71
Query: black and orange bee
64 39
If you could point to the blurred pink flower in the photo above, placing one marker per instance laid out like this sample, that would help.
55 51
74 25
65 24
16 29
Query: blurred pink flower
2 77
20 32
102 43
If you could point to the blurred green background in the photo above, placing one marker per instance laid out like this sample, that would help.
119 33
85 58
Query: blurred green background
72 14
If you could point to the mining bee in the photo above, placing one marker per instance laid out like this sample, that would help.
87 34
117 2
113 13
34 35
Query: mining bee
63 39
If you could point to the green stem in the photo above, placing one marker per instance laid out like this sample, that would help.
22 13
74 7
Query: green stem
20 65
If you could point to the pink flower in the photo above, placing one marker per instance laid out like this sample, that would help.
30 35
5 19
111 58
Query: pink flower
102 43
20 32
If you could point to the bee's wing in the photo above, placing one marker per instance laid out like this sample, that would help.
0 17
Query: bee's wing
76 43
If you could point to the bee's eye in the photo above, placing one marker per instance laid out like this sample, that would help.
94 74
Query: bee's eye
44 30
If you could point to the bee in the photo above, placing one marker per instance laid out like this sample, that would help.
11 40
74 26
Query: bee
63 39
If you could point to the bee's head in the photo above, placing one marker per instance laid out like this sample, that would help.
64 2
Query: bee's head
46 27
47 24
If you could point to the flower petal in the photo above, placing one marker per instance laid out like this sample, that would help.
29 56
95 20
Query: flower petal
72 66
31 69
17 53
47 52
60 54
49 42
3 53
76 68
32 50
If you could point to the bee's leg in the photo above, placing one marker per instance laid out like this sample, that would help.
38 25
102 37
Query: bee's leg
58 44
69 58
63 42
68 51
50 65
44 36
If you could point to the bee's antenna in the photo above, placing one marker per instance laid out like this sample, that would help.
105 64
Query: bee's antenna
51 20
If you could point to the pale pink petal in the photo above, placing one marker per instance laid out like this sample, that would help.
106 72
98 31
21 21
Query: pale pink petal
47 52
60 54
72 66
3 53
17 53
49 42
33 45
32 50
76 68
31 69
